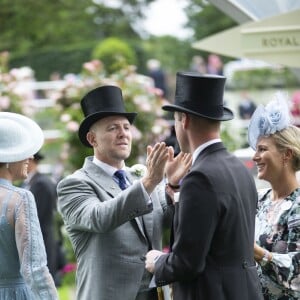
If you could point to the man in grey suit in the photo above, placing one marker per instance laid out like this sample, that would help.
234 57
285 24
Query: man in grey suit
212 255
113 221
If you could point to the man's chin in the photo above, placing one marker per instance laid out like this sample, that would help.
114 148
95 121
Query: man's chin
124 155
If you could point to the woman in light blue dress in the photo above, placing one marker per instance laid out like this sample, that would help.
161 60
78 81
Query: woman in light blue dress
23 264
277 156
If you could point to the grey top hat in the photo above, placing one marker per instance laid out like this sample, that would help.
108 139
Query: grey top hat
20 137
200 95
99 103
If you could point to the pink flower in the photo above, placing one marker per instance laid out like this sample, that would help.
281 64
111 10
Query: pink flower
69 268
65 118
4 102
72 126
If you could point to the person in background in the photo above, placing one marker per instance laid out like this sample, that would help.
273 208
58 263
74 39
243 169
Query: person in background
44 192
198 64
277 155
171 140
214 64
114 214
23 264
246 107
158 75
212 254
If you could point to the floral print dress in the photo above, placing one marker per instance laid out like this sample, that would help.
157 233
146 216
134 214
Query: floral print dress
278 231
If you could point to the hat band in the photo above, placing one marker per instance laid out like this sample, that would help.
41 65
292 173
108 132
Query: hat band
214 111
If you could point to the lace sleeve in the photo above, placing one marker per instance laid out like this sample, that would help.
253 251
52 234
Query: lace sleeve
31 249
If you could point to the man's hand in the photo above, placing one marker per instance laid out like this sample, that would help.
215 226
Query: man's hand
177 167
260 253
157 157
150 257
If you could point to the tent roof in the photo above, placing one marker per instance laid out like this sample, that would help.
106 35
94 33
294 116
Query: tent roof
273 39
244 11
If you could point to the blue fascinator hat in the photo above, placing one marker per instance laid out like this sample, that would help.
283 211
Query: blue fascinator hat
266 120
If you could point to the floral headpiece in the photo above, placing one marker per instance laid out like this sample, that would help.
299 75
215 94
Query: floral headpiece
275 116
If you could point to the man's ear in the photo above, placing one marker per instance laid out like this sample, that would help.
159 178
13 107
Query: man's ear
185 120
91 138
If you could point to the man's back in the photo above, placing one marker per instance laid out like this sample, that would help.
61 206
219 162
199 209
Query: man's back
214 231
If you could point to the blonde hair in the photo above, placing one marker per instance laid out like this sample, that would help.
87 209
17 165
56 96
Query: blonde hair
289 138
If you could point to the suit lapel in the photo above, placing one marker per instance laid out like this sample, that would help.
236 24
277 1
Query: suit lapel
107 183
144 222
101 178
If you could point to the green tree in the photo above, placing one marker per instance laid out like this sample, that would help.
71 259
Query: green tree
205 19
38 25
115 54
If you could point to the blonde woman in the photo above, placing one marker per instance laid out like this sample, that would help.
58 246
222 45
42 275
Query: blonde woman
277 155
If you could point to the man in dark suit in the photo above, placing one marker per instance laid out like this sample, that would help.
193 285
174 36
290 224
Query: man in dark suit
212 250
44 191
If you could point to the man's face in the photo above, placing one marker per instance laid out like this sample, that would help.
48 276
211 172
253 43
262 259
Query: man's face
111 139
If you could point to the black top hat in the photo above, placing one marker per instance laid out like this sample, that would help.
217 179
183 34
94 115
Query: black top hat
101 102
200 95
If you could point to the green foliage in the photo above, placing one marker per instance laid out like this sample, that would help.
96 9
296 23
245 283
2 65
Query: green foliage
39 24
264 78
43 24
66 292
10 96
115 54
37 34
232 136
161 47
58 36
47 62
139 96
205 19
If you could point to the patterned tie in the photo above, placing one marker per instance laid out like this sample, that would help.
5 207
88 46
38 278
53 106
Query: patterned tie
120 174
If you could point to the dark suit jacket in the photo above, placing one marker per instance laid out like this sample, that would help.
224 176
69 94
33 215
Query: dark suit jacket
44 191
212 254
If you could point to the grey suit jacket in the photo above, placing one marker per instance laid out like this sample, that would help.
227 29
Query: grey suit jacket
107 237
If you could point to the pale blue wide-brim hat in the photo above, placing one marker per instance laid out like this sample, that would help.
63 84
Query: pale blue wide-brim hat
20 137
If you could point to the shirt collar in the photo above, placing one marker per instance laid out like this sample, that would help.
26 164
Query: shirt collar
202 147
106 167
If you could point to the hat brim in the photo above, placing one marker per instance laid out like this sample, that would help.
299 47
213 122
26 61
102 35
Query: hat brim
29 140
91 119
227 113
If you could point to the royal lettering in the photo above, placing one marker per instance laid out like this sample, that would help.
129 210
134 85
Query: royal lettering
291 41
